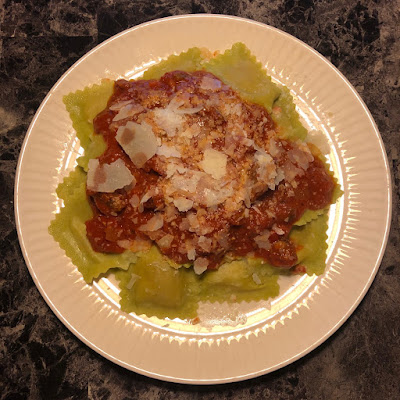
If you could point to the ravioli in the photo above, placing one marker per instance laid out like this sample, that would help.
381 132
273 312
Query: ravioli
151 282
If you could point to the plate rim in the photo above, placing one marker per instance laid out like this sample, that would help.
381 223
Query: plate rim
151 374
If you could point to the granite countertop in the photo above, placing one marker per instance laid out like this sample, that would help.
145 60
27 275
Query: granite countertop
42 359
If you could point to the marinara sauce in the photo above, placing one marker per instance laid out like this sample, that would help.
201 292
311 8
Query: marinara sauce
118 217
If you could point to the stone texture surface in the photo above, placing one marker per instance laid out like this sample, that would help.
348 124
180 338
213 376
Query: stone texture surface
39 357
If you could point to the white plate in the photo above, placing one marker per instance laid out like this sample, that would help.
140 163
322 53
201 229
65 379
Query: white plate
233 343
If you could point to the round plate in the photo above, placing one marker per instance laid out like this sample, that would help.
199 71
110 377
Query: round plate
231 342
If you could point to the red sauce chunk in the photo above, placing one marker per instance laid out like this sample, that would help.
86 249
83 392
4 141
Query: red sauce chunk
194 169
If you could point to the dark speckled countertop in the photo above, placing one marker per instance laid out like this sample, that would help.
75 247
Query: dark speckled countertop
39 357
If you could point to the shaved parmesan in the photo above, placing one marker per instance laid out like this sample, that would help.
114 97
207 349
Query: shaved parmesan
134 201
215 197
262 240
121 104
262 158
168 120
223 239
200 265
274 149
168 151
140 244
171 169
191 131
147 196
232 109
165 241
192 254
214 163
153 224
108 177
278 230
170 213
190 250
266 169
176 103
127 111
125 244
174 166
138 141
184 225
183 204
205 243
188 110
193 221
171 119
187 182
291 171
300 156
280 176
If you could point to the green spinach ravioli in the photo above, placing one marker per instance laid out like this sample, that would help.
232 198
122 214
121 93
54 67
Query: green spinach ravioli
196 184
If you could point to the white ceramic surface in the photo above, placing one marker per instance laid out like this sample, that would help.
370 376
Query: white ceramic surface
232 343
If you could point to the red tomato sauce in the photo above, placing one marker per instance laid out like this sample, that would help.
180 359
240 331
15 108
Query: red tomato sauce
116 220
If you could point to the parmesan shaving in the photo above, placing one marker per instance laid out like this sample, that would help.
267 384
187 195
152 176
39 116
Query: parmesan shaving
125 244
168 151
205 243
168 119
192 254
214 163
108 177
266 169
165 241
138 141
262 240
183 204
121 104
134 201
278 230
200 265
153 224
127 111
147 196
188 110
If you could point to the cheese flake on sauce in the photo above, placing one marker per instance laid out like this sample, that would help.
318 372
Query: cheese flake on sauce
168 151
153 224
108 177
200 265
138 141
183 204
214 163
129 110
168 120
